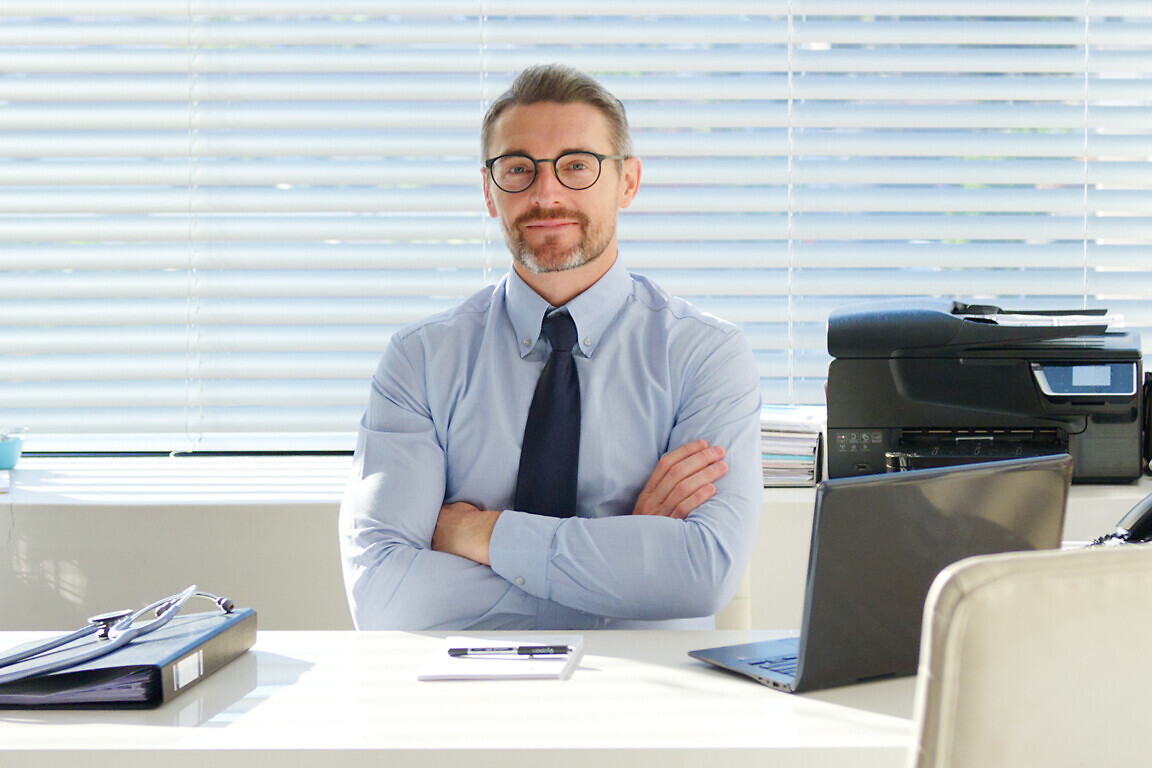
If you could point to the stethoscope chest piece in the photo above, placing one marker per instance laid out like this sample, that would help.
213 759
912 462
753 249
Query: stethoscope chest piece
105 621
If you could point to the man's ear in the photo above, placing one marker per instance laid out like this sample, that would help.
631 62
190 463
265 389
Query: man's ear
629 181
487 192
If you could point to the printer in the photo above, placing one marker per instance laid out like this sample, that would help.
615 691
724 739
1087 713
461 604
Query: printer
934 382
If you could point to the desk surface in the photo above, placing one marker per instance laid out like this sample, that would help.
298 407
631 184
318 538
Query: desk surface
636 699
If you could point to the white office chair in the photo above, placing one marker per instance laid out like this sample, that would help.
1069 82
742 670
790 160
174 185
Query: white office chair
1038 659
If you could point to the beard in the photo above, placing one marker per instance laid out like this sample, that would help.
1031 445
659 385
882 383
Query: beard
550 255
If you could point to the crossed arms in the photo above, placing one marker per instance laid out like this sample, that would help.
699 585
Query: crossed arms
682 480
429 540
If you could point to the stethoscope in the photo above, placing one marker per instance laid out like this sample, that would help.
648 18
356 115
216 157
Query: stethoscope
112 630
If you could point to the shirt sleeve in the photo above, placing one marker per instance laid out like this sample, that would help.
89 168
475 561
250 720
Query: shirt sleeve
393 578
653 568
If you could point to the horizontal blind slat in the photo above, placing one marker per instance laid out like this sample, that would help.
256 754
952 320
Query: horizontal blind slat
302 181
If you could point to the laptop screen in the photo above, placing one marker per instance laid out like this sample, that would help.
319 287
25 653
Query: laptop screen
880 540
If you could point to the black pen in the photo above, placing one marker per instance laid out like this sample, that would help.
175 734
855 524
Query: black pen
517 650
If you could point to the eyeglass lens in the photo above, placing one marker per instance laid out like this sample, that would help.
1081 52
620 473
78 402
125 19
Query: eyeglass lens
575 170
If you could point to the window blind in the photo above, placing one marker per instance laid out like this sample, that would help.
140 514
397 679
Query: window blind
213 214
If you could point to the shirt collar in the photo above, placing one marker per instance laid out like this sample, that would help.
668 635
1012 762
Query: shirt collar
592 311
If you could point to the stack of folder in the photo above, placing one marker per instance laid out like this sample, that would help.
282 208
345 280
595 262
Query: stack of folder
791 441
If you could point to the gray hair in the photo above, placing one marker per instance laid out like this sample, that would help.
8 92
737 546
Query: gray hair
563 85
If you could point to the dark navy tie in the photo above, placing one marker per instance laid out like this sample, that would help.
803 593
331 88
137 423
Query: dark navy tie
546 483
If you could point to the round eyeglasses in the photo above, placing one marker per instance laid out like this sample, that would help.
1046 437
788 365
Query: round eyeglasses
575 170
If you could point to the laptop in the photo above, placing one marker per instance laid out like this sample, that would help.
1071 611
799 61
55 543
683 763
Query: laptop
878 541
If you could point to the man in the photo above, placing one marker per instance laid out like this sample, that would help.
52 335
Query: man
668 481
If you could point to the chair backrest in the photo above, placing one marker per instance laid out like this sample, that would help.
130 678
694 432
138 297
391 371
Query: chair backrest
1037 659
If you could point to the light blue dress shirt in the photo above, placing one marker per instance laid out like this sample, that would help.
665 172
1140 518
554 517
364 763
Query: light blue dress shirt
444 423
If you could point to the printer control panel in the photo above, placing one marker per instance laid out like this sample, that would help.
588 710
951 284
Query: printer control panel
858 451
1088 381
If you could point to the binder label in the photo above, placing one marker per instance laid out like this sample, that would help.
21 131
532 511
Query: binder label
189 669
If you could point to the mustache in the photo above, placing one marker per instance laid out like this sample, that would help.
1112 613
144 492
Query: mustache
541 214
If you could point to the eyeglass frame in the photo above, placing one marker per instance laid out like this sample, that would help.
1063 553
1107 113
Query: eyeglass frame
536 168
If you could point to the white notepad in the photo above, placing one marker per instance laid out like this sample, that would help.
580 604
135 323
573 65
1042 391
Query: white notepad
440 665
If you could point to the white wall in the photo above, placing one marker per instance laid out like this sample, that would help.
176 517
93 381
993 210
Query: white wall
84 536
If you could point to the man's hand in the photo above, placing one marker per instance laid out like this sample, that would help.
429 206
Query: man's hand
464 530
683 480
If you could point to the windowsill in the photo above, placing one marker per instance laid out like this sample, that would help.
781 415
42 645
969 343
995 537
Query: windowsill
181 480
80 534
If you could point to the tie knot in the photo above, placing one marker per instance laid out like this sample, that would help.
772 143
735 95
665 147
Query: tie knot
560 330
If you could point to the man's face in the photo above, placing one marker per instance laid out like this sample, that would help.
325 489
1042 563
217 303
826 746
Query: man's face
548 227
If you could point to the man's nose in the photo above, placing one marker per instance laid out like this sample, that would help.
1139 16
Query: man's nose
547 183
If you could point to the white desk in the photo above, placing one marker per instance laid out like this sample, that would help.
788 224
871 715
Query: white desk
352 699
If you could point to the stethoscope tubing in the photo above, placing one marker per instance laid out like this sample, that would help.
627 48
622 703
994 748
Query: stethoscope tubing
46 646
120 634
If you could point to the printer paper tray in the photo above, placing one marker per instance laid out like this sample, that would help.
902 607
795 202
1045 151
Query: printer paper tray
943 448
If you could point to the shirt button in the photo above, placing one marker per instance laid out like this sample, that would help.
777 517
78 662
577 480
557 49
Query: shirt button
587 341
519 581
527 342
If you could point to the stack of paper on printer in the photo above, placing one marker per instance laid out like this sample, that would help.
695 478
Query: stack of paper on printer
1053 319
551 657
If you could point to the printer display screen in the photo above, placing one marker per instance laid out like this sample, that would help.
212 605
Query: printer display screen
1086 380
1093 376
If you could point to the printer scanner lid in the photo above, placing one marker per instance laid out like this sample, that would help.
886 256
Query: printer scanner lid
917 326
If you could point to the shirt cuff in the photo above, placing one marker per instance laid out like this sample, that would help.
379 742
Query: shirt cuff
521 548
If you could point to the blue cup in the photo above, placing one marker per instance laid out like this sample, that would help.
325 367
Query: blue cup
10 449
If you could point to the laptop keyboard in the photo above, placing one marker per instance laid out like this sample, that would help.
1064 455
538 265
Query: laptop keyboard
784 664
